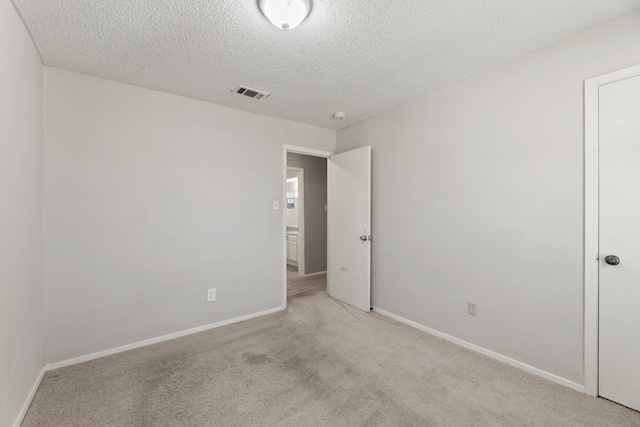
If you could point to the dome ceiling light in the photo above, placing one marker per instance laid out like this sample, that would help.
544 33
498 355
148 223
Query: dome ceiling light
285 14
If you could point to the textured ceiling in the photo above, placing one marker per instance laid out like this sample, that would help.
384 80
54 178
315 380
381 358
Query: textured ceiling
358 56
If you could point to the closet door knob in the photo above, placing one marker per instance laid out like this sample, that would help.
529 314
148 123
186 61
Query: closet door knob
612 260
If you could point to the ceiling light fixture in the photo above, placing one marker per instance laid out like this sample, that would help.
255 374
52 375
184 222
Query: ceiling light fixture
285 14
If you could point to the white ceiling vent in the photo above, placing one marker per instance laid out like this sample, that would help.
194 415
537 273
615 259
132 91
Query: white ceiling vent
250 93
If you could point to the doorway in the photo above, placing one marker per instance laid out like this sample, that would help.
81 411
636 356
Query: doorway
294 208
347 215
305 222
612 248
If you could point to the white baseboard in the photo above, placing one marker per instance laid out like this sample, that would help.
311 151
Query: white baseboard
156 340
29 399
539 372
317 273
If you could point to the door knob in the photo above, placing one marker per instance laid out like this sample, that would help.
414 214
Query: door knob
364 238
612 260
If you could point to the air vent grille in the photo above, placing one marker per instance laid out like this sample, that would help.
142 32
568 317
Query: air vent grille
250 93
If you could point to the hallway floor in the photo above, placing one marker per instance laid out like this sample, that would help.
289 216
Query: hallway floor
297 285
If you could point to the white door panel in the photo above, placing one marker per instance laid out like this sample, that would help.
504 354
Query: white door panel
619 319
349 219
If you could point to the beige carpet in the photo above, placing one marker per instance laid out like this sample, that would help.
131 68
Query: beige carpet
319 363
297 285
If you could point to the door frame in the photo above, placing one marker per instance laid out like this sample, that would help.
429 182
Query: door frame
301 234
307 152
591 220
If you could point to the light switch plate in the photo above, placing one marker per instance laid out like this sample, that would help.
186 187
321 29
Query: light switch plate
276 205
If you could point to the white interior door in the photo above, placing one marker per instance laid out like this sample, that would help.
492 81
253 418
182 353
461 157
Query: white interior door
619 320
349 225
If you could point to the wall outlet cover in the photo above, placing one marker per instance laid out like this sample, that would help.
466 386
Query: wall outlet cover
211 294
472 309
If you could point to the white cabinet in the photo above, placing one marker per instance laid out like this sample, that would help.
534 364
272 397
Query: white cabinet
292 249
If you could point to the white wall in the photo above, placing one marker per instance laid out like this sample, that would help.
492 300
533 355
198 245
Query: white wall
21 328
150 199
478 196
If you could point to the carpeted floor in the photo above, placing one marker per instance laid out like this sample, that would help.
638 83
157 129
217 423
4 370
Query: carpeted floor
297 285
319 363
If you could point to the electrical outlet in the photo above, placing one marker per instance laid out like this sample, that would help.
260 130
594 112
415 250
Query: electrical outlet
211 294
472 309
276 205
